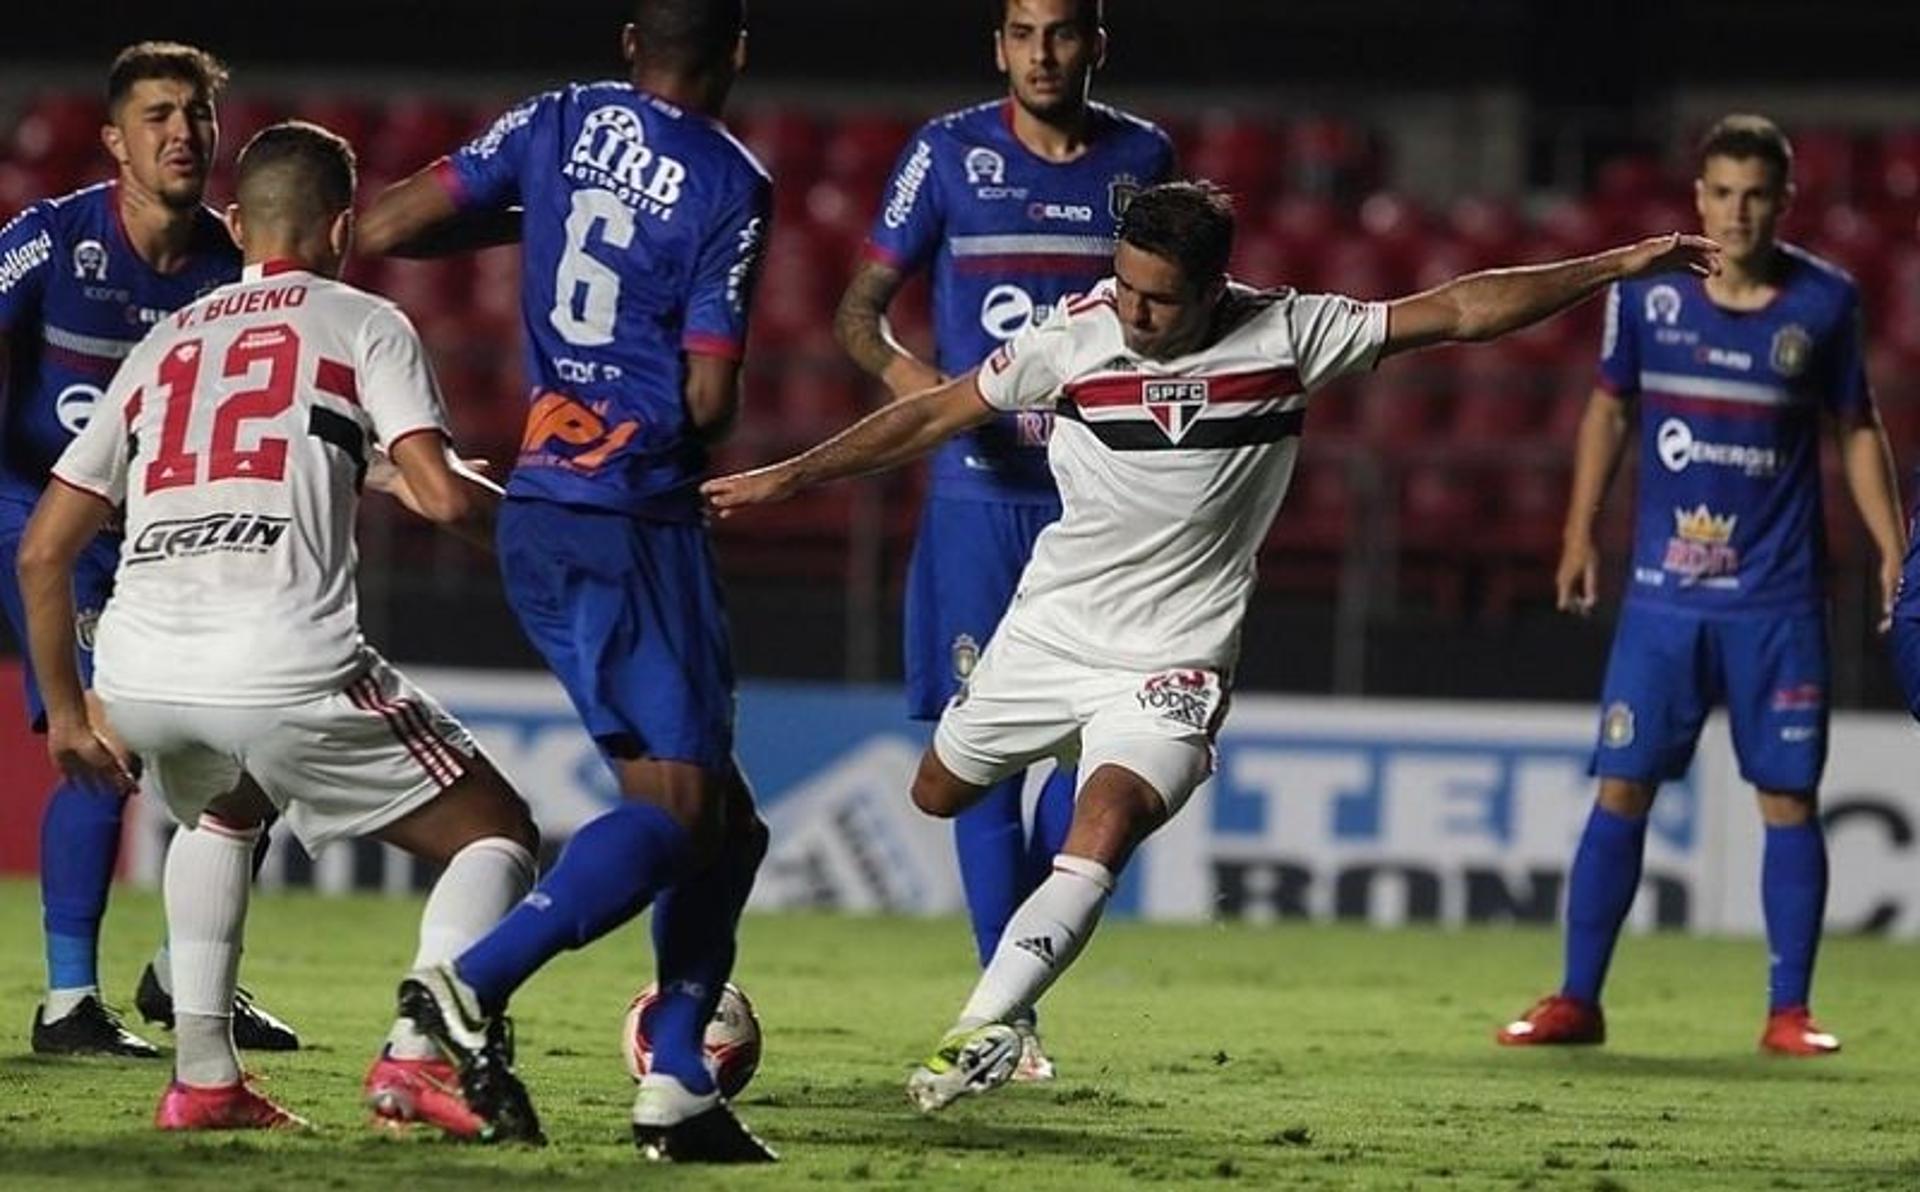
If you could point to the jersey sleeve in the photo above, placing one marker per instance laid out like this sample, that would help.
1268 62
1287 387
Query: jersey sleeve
1846 389
396 384
1028 371
908 229
26 256
484 174
1332 335
98 458
1619 351
1164 161
726 274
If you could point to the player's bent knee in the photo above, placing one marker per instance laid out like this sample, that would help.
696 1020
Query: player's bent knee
938 792
1789 809
1627 797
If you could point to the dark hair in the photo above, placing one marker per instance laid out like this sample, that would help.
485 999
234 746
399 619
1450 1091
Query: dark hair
1190 223
164 60
294 171
1743 137
1090 13
692 35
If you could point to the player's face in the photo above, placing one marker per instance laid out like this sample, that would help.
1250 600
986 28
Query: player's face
1741 200
1047 54
164 136
1162 314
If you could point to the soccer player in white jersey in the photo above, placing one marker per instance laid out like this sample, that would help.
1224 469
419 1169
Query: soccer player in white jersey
1179 397
229 657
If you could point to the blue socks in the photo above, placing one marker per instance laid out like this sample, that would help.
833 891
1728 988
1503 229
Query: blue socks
79 847
990 838
611 869
694 947
1052 817
1606 873
1793 894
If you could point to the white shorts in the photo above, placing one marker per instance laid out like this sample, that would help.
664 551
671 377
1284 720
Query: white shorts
345 765
1023 703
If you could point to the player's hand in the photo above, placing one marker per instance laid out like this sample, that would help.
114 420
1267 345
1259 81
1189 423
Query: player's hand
384 476
1890 575
85 756
1577 582
1673 253
724 494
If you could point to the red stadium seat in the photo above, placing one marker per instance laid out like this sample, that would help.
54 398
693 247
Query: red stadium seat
862 150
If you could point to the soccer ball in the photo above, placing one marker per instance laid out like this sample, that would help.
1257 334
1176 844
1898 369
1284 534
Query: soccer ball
733 1039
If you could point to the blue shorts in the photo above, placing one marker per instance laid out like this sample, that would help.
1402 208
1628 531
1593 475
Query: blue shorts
1669 669
1903 642
92 584
628 615
967 560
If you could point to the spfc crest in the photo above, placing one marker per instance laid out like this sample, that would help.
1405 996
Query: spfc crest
1792 348
1175 403
1120 192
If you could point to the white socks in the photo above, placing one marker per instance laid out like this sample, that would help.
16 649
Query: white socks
209 877
62 1002
1040 941
481 884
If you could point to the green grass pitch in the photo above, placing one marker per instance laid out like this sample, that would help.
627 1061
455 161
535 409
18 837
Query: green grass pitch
1289 1057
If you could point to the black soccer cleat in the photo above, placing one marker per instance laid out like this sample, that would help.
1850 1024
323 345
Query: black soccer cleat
254 1028
90 1028
479 1046
712 1136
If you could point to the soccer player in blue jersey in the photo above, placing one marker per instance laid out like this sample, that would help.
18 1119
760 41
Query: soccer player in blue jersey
642 223
1012 205
82 278
1730 378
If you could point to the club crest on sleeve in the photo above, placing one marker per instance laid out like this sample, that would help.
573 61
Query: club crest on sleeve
966 656
1616 729
1175 403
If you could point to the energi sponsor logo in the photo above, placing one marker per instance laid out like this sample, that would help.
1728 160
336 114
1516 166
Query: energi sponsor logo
1678 449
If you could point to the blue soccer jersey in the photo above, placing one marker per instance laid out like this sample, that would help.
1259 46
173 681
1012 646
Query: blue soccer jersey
74 300
643 230
1729 518
1007 234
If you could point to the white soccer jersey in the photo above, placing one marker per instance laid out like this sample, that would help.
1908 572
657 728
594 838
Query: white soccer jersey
1170 471
236 435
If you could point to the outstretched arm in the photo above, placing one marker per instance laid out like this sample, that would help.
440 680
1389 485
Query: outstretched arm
886 438
862 329
421 472
1487 305
419 218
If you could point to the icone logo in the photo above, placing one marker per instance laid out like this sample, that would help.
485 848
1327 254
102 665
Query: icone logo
1068 212
612 152
906 188
1006 311
74 407
1678 448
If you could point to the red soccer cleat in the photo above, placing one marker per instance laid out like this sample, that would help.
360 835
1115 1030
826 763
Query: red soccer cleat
401 1091
230 1107
1793 1032
1555 1020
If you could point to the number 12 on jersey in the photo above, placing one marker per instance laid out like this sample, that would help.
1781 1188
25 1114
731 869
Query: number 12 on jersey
266 358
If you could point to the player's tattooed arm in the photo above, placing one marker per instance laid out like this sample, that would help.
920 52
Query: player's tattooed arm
1489 304
64 522
888 437
860 324
419 218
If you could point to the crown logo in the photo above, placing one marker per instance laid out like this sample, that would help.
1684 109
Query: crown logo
1703 525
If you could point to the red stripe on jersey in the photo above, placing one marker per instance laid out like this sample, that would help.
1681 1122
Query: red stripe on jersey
1046 263
700 343
1706 407
1267 384
1080 304
133 406
411 731
338 379
76 486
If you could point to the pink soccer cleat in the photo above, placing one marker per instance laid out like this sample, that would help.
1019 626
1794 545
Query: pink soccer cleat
402 1091
229 1107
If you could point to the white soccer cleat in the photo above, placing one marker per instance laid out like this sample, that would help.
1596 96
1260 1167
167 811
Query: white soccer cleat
1034 1065
967 1061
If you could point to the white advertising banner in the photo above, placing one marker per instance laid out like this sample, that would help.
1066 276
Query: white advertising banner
1387 812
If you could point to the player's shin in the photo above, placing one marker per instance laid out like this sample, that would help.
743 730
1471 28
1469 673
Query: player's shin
1041 941
611 869
161 966
479 886
208 880
1793 895
1600 890
79 847
694 925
